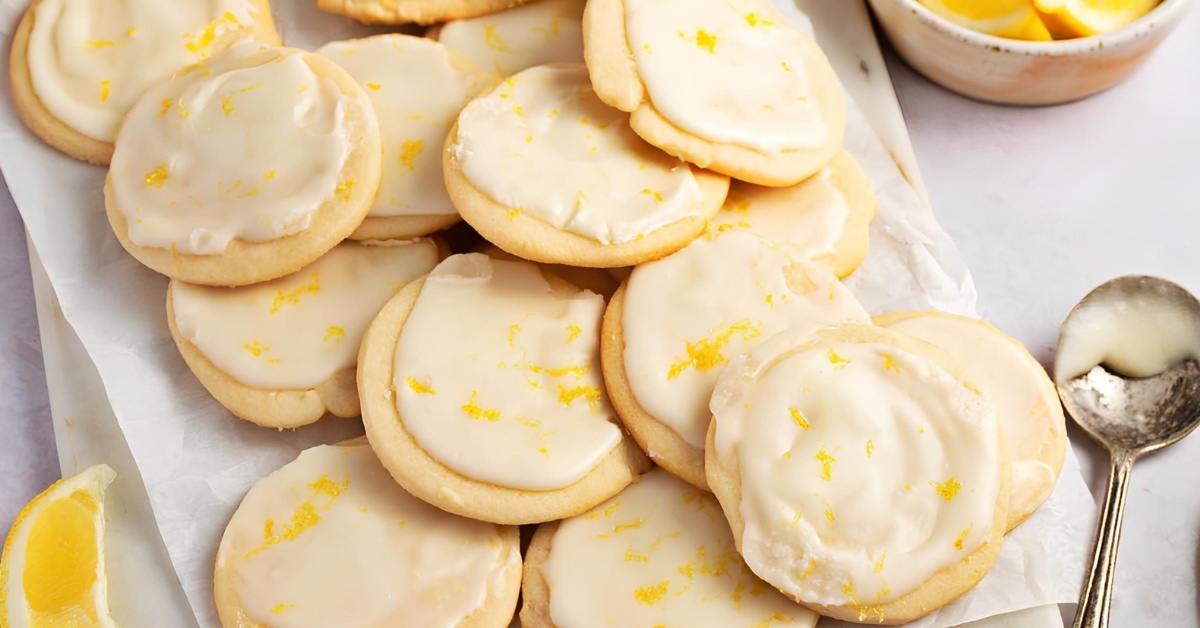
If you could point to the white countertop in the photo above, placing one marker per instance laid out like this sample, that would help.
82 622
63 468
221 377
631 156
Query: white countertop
1044 204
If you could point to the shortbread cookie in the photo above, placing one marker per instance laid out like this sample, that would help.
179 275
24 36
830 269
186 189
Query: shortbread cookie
544 170
413 122
245 169
825 219
598 280
331 540
658 554
541 32
676 323
414 11
482 394
76 68
283 353
733 86
862 475
1027 405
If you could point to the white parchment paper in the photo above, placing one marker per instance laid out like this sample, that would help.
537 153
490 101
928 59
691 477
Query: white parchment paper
197 460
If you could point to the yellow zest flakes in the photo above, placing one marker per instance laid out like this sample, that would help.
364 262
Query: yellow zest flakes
200 44
335 333
513 330
948 489
227 105
157 177
889 364
374 86
166 107
256 348
493 39
870 448
477 412
652 594
657 196
707 41
105 88
826 461
799 419
409 151
305 516
809 569
269 175
646 47
567 396
131 32
879 563
97 44
182 110
785 66
513 213
621 527
630 557
796 519
829 513
754 20
907 487
574 370
836 360
776 616
343 189
705 354
302 89
962 536
528 422
293 298
281 608
573 332
609 510
770 299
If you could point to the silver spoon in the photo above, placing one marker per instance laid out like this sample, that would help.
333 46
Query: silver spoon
1130 416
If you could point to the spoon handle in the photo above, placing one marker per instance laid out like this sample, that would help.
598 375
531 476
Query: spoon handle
1096 599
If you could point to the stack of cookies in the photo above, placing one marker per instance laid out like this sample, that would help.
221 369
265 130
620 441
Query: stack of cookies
638 342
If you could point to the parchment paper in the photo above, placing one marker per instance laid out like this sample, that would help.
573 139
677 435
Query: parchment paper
197 460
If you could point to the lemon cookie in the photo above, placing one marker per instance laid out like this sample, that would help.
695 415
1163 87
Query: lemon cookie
597 280
544 170
541 32
861 474
330 540
245 169
658 554
732 86
76 68
1027 405
482 394
825 219
678 321
283 353
414 11
413 123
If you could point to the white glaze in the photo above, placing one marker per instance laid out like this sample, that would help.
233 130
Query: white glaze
687 314
296 332
541 32
227 151
331 540
745 81
416 93
543 144
90 60
658 554
829 435
806 219
498 377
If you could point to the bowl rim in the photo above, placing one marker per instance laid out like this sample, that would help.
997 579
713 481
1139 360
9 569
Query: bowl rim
1164 11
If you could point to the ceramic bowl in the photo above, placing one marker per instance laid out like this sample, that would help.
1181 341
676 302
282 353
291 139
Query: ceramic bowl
1015 72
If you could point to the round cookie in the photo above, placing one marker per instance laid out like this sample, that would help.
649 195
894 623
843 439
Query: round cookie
544 170
413 123
391 12
537 33
825 219
595 279
861 474
330 540
283 353
482 394
245 169
1027 405
675 324
730 86
658 554
76 68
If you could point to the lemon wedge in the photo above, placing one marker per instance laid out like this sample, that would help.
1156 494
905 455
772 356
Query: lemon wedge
52 568
1012 19
1067 19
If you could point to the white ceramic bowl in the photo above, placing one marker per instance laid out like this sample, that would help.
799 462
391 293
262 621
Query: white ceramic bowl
1016 72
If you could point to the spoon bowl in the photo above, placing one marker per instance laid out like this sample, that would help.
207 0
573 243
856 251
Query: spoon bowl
1135 415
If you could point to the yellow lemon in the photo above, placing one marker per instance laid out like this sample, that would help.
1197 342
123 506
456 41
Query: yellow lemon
52 568
1013 19
1067 19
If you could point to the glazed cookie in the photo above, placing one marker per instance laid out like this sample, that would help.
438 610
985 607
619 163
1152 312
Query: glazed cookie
330 540
658 554
482 394
1027 405
541 32
670 331
732 86
825 219
413 123
815 435
547 172
245 169
414 11
283 353
597 280
77 68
